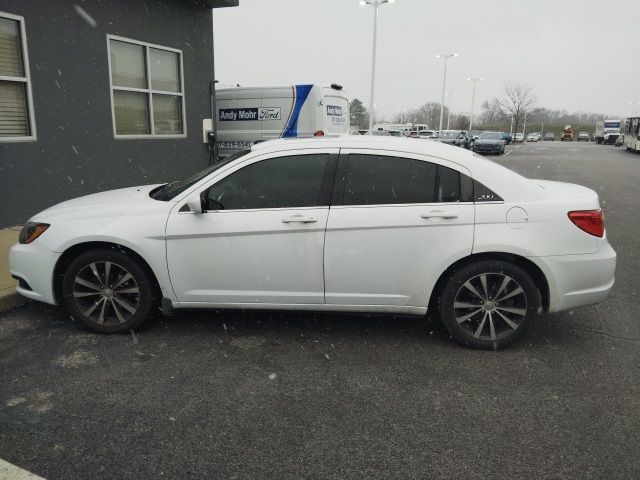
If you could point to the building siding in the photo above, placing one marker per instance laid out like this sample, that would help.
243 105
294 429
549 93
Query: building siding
75 153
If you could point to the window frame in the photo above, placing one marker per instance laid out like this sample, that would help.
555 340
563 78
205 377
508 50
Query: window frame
24 80
149 91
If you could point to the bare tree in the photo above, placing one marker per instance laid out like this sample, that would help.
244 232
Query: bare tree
518 100
492 113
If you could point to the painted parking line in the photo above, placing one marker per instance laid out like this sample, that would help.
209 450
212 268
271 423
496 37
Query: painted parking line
514 149
11 472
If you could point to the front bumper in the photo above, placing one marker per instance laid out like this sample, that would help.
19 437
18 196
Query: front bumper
487 149
35 265
576 280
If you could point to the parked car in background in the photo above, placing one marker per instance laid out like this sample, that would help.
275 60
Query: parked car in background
396 133
519 137
507 137
533 137
427 134
489 143
454 137
442 228
474 134
583 136
549 136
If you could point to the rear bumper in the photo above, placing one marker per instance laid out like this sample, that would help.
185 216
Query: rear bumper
34 265
576 280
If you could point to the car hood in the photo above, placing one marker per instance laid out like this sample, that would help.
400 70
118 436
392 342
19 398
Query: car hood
487 141
121 202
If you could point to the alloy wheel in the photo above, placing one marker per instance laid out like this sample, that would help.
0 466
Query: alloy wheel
490 306
106 293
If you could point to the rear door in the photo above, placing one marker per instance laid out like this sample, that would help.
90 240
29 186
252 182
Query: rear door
396 222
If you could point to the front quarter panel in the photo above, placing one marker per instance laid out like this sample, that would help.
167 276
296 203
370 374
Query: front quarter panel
140 228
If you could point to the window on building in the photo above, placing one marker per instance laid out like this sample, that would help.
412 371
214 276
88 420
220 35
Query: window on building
147 89
16 103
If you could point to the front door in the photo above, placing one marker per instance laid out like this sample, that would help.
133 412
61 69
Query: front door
261 238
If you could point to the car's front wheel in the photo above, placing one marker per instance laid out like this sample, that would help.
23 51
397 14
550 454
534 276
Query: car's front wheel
108 291
488 304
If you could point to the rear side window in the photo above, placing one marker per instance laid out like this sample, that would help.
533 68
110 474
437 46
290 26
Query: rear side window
284 182
484 194
384 180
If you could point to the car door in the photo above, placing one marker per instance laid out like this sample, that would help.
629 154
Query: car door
260 239
396 222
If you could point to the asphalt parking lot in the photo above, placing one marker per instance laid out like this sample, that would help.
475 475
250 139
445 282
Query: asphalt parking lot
291 395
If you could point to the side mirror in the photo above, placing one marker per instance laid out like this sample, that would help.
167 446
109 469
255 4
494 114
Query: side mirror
194 203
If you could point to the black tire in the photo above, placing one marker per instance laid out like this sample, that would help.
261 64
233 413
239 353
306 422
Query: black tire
122 302
457 301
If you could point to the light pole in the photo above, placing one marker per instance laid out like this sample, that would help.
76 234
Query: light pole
449 95
446 57
375 4
473 98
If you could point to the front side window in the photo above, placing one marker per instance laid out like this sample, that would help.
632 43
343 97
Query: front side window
284 182
147 89
16 104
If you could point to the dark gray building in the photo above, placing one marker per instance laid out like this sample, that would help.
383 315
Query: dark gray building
100 94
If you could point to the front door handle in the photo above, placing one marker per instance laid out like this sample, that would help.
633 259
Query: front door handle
447 215
299 219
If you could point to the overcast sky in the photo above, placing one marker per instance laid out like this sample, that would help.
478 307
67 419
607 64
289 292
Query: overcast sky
578 55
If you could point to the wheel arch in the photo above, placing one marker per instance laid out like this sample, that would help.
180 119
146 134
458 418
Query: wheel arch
537 275
73 251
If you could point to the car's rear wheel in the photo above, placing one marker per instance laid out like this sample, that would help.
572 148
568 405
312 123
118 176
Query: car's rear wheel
107 291
488 304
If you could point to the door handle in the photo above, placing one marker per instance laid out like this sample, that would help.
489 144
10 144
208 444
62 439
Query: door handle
447 215
299 219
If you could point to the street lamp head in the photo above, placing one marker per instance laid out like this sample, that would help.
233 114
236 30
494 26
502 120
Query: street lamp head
375 3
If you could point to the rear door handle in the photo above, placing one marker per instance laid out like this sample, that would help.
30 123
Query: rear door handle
299 219
447 215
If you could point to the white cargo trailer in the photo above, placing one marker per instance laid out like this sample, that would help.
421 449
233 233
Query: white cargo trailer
247 115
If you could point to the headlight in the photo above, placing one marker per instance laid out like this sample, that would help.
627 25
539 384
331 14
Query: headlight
31 231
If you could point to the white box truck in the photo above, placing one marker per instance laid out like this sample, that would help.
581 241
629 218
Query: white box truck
246 115
607 131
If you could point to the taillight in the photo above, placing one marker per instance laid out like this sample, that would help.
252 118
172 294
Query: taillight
319 133
590 221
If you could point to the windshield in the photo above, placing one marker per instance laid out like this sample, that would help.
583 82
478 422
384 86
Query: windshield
171 190
490 136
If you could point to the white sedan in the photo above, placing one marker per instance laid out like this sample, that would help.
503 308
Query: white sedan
356 224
